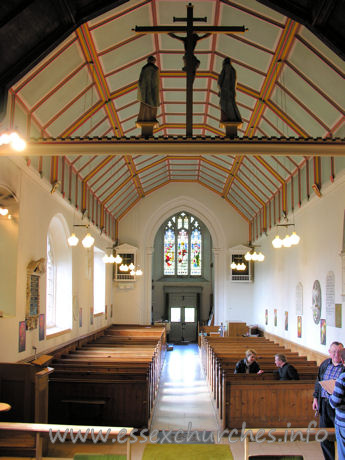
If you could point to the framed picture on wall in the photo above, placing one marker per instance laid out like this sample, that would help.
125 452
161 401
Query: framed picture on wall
286 320
323 331
22 336
266 316
299 326
80 317
41 326
275 317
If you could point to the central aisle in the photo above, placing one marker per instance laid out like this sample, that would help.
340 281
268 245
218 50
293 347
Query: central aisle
183 395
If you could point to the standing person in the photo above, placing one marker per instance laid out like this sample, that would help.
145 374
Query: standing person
248 365
329 369
227 93
286 371
337 401
148 91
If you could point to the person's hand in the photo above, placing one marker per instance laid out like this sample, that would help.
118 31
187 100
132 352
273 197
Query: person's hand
260 372
315 404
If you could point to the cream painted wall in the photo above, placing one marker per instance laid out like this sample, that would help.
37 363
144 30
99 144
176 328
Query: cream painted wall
227 229
37 207
320 226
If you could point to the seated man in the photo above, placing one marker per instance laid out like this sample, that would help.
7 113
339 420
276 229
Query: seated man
248 365
286 371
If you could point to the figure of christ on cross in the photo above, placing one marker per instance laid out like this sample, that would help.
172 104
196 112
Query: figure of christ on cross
191 63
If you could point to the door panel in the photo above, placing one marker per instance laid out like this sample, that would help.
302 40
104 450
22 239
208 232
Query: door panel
183 324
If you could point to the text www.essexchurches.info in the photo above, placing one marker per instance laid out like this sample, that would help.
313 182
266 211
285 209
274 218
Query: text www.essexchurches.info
182 436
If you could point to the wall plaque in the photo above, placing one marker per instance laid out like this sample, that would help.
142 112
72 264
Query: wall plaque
34 271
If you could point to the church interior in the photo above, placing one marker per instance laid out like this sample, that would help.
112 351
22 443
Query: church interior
179 240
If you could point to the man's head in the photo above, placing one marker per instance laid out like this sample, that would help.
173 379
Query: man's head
334 352
279 360
250 356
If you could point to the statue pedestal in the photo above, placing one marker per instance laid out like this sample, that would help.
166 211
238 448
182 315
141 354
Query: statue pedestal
230 128
147 127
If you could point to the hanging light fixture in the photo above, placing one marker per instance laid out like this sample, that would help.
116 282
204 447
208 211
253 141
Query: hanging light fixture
254 256
288 240
3 211
15 141
73 240
87 241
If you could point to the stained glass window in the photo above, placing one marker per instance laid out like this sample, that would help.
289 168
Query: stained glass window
169 251
182 246
182 252
195 268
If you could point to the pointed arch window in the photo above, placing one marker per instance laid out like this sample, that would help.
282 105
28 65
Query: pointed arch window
182 246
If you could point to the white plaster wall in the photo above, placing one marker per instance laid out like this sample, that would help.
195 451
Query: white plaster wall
319 223
37 207
227 229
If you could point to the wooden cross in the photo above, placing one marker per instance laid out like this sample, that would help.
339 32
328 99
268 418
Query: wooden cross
190 43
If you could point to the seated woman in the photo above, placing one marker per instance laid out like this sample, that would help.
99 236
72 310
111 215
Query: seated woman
248 365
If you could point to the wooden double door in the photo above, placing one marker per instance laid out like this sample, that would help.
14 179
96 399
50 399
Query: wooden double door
183 317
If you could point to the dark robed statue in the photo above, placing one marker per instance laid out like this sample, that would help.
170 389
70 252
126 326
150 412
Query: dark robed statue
227 93
148 91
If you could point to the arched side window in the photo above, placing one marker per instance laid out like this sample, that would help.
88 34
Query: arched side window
182 246
51 285
58 277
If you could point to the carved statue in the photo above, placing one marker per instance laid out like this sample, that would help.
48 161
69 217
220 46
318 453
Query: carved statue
148 91
227 93
192 44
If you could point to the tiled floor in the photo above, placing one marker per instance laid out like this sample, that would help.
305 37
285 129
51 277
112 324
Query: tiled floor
183 397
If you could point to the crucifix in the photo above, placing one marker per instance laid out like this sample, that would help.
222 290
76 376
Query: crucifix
190 40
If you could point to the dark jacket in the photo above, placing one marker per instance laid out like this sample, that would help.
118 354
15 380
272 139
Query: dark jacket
288 372
241 367
321 373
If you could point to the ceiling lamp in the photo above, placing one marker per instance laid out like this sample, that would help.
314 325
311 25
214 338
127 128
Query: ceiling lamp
118 259
3 211
73 240
139 272
288 240
15 141
124 268
88 241
254 256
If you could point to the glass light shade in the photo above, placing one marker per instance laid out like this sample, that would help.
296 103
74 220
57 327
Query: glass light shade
106 259
139 272
111 259
233 266
132 273
4 139
287 242
118 259
261 257
277 242
248 256
241 267
18 144
73 240
3 211
294 238
124 268
88 241
131 266
254 256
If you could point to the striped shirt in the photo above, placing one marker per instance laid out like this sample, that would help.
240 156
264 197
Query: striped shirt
337 400
331 373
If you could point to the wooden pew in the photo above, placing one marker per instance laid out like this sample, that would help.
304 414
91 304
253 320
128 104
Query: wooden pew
116 384
33 439
264 403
